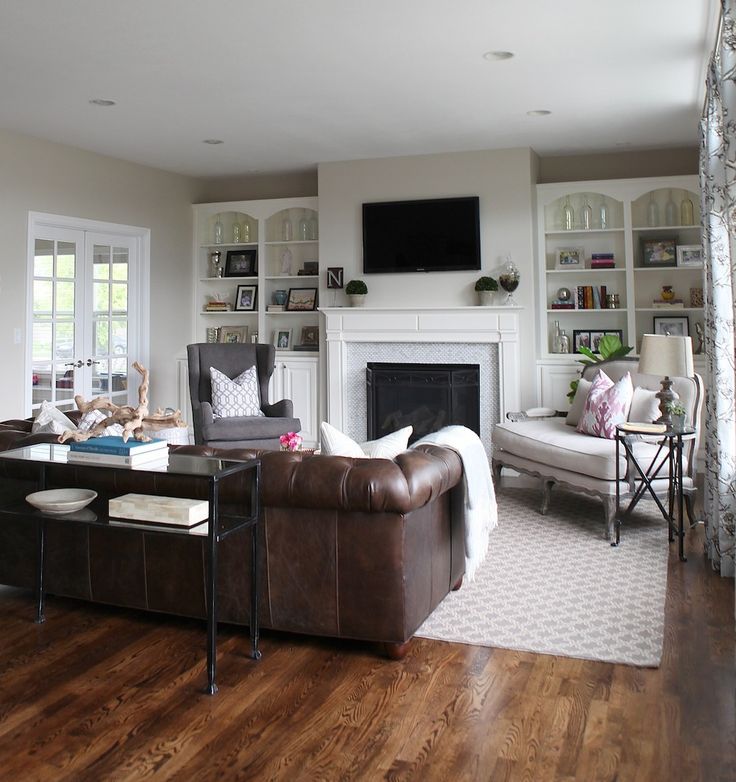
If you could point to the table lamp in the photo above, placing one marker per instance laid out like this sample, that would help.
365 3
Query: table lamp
666 356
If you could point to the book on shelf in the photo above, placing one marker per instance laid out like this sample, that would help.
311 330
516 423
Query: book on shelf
217 307
601 256
174 511
588 297
602 264
116 446
152 459
673 304
596 297
313 348
562 305
275 308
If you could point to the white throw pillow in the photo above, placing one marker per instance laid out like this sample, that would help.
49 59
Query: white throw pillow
336 443
578 402
50 420
235 398
93 417
644 406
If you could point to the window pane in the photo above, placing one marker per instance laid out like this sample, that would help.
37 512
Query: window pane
101 294
65 260
43 291
119 297
100 383
64 341
65 298
40 375
43 261
120 263
101 258
64 383
41 342
102 337
120 336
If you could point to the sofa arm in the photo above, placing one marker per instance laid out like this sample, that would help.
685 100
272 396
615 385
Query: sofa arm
281 409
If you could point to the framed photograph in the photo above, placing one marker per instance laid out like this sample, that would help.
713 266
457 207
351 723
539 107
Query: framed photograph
335 277
310 267
301 299
233 334
310 336
570 258
659 252
245 298
689 255
676 326
282 339
241 263
581 339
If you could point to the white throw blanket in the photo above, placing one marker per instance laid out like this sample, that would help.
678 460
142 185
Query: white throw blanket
479 500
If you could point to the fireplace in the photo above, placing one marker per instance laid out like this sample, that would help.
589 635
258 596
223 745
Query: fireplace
424 396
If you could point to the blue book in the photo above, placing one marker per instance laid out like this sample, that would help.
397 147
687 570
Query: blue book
115 446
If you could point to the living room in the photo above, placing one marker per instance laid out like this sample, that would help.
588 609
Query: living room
142 163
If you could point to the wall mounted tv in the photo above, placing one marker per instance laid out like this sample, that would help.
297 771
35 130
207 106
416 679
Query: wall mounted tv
434 235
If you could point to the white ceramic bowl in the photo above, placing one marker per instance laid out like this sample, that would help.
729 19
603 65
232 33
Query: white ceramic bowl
61 500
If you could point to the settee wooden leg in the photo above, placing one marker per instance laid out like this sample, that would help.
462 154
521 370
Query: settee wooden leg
457 584
395 651
609 508
546 496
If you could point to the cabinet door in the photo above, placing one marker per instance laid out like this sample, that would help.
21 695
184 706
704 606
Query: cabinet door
554 383
299 383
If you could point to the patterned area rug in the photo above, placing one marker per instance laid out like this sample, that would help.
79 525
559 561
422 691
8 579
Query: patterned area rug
553 585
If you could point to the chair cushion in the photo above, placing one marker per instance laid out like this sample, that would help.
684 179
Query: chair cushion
236 398
252 428
549 441
607 405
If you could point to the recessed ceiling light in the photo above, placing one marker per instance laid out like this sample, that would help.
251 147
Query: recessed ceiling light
213 141
539 112
102 102
499 55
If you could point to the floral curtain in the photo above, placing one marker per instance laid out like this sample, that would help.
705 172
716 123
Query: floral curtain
718 201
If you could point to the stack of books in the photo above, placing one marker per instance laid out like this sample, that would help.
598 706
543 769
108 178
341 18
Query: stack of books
218 306
602 261
114 452
275 307
672 304
591 297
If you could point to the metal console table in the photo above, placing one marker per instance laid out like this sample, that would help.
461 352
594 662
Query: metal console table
219 526
669 456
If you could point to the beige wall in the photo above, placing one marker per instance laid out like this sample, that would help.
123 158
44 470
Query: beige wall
620 165
298 184
41 176
504 180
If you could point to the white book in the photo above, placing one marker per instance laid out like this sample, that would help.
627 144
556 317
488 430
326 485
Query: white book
179 511
149 459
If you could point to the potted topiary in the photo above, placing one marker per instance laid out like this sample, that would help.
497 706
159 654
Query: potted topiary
678 413
356 291
486 287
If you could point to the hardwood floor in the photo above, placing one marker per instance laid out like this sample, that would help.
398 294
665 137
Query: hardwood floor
104 694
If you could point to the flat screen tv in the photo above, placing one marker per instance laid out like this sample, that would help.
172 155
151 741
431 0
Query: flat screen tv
434 235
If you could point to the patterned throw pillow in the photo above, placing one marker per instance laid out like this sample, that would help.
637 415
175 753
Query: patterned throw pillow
607 404
235 398
93 417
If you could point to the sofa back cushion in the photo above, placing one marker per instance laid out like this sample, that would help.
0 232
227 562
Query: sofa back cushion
606 406
336 443
578 402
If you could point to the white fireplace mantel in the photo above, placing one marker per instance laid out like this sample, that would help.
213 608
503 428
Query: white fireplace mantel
459 325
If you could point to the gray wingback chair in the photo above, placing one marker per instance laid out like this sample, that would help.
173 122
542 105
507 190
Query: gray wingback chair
247 432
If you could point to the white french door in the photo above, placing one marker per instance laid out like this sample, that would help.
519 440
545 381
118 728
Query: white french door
84 326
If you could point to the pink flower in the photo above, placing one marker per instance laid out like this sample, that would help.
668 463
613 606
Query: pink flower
291 441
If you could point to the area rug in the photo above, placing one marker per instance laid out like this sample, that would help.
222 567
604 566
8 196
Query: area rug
553 585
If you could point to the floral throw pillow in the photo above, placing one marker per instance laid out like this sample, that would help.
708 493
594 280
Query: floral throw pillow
237 397
607 404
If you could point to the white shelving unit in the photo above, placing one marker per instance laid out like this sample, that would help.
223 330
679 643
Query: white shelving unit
627 203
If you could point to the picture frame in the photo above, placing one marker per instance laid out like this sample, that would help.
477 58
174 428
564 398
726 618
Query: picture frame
310 336
282 339
233 334
589 338
660 252
310 267
246 298
241 263
301 300
690 255
676 325
335 277
570 258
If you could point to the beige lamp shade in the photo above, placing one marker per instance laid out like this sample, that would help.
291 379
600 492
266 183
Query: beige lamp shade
666 356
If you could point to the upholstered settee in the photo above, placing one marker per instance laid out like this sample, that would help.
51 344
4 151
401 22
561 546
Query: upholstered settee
349 548
552 449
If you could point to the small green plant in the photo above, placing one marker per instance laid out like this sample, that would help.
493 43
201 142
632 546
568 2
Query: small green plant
356 288
609 347
486 284
676 408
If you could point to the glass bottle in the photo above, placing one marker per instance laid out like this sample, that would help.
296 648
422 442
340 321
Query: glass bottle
245 232
287 231
686 211
509 280
556 334
304 229
568 215
236 233
587 216
218 231
564 342
603 214
652 212
670 210
313 228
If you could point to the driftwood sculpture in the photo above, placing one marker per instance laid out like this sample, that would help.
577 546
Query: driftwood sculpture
134 420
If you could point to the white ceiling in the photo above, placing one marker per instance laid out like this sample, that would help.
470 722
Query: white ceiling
289 84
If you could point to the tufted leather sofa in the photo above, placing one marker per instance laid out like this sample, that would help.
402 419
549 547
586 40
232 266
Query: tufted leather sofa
349 548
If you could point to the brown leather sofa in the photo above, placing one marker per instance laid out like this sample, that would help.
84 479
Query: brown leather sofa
349 548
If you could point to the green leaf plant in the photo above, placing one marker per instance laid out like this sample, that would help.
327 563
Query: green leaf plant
610 347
